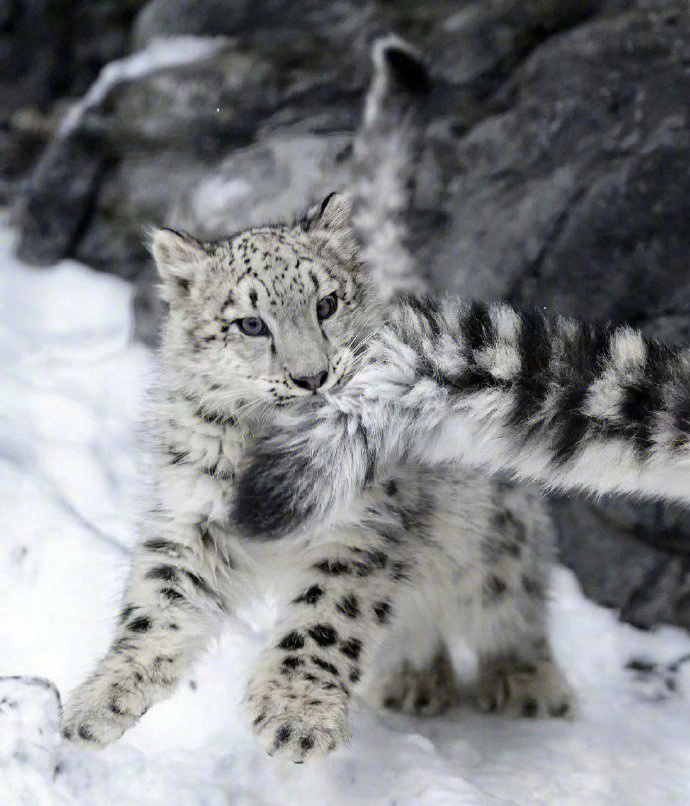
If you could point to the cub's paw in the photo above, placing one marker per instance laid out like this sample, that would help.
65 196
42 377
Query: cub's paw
298 718
527 690
100 711
424 692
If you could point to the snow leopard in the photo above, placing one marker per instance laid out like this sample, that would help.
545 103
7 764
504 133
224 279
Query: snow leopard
374 602
570 404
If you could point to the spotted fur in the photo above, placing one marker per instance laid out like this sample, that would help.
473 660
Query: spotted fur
570 404
454 545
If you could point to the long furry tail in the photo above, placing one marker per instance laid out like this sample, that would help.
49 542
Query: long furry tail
386 152
562 402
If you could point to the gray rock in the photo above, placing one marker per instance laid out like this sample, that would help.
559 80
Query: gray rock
549 169
269 181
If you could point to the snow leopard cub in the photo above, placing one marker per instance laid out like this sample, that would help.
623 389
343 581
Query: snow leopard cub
256 321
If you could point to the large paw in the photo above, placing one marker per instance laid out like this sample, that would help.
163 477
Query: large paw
425 692
298 718
101 710
529 691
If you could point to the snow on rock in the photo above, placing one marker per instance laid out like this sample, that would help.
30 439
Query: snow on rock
70 402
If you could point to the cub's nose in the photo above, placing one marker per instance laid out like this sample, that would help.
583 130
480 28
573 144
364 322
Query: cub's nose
311 382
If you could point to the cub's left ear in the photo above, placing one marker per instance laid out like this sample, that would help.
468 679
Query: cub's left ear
333 218
179 259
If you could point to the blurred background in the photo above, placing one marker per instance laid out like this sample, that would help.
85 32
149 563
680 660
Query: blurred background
551 168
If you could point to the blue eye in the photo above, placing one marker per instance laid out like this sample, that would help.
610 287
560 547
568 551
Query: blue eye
252 326
326 307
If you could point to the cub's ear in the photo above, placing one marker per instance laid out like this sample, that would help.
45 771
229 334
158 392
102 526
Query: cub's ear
179 258
332 218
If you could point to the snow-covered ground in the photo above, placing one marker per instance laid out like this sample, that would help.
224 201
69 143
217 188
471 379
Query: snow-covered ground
70 397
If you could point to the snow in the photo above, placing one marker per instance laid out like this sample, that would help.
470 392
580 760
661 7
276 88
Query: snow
70 401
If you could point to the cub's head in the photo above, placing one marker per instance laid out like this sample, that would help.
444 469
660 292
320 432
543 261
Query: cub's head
268 315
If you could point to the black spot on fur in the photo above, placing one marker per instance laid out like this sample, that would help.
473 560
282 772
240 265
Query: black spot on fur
477 328
291 662
126 613
173 626
172 595
532 384
348 606
572 423
361 569
176 458
166 572
306 742
310 677
310 596
351 648
86 734
253 297
532 587
530 707
644 398
292 641
399 571
116 709
327 667
495 587
390 488
332 567
355 674
282 735
259 719
382 611
141 624
584 357
199 583
323 634
122 645
376 559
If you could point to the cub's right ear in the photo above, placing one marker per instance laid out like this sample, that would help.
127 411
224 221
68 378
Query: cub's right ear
179 258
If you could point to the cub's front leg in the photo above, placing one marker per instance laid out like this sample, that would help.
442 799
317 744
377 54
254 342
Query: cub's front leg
298 699
171 609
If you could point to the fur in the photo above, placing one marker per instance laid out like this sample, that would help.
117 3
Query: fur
562 402
258 324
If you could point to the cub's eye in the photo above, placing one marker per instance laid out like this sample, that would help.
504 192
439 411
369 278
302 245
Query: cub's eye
326 307
252 326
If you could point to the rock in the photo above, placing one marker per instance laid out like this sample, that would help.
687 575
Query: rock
45 56
633 557
210 18
574 176
269 181
547 167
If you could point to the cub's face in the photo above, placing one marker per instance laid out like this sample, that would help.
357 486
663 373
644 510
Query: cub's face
272 314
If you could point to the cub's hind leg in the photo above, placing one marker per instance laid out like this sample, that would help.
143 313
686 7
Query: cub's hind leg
518 674
425 689
521 686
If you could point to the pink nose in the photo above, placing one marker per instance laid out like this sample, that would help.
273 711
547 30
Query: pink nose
312 382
